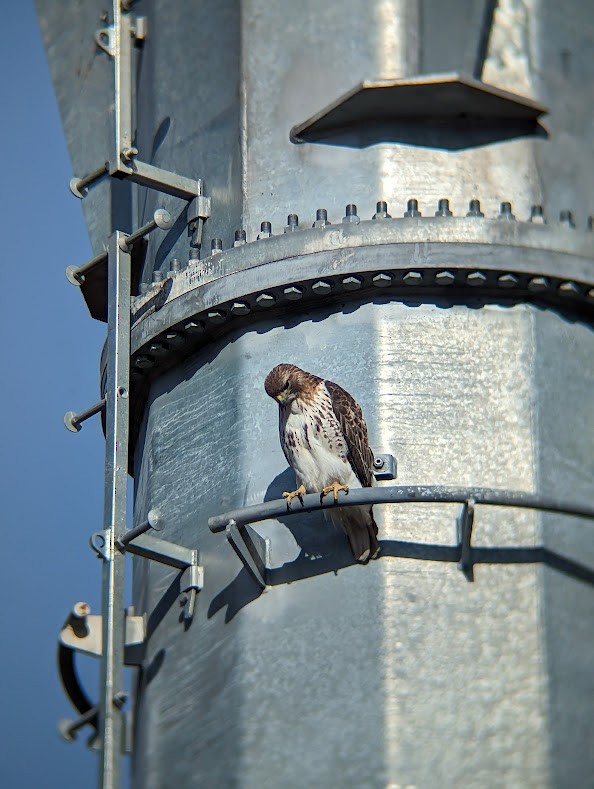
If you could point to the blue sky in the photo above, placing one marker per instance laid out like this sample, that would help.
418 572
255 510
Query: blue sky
52 479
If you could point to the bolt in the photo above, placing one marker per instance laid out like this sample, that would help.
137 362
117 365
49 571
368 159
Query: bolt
412 209
194 327
382 280
443 208
476 278
351 214
240 308
216 246
293 293
445 278
474 208
378 463
216 316
537 215
265 230
174 265
381 210
194 254
537 284
240 238
321 287
292 223
157 277
144 361
144 288
321 218
413 278
566 218
590 294
352 283
127 153
505 211
158 348
507 281
569 289
175 339
265 300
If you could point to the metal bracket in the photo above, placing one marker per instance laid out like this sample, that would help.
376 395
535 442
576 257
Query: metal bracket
82 633
384 467
139 543
464 526
252 550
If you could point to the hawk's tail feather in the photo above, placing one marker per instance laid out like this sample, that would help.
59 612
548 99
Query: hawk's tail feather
362 538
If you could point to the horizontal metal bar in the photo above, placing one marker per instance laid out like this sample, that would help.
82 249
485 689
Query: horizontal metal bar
162 180
162 551
402 494
78 185
73 420
153 522
161 218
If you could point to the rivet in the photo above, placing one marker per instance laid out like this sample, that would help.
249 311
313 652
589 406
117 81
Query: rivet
216 246
265 300
321 218
216 316
351 214
412 209
537 215
538 284
507 281
381 210
293 293
566 218
240 238
321 287
174 338
474 208
569 289
240 308
158 348
413 278
144 361
445 278
382 280
476 278
352 282
265 230
505 211
194 327
292 223
443 208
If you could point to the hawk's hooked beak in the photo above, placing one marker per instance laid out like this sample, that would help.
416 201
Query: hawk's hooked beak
280 397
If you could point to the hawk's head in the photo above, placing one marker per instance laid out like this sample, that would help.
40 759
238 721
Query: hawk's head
286 382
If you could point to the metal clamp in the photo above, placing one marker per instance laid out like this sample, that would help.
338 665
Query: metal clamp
384 467
464 526
252 550
138 542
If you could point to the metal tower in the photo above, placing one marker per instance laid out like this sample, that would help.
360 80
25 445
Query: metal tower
395 195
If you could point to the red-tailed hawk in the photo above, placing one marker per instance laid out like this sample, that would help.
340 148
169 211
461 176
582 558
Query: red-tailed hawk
324 437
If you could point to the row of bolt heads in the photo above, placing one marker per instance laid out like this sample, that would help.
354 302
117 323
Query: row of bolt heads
537 216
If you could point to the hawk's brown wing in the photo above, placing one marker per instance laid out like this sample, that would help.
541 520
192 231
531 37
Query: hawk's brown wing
350 417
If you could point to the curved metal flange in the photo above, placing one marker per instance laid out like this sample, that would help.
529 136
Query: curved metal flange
469 257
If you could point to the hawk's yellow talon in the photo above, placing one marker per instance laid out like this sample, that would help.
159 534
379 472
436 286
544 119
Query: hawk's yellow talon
299 493
335 487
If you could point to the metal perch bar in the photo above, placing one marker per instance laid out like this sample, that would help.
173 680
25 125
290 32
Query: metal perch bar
402 494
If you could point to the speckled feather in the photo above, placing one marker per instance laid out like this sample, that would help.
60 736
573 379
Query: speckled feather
324 439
